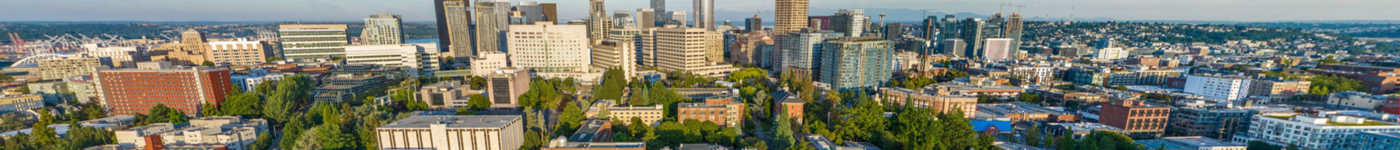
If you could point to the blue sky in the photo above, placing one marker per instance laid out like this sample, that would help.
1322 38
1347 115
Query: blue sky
899 10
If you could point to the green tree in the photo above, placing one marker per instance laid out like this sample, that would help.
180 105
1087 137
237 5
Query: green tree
331 136
569 120
478 102
782 137
207 63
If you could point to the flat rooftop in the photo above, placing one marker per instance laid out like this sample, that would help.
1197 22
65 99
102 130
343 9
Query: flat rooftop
454 121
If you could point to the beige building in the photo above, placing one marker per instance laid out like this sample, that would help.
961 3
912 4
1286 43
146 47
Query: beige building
616 54
450 94
313 41
417 59
233 131
545 47
237 53
649 114
1278 90
936 102
189 51
506 85
692 50
122 56
453 132
791 16
382 28
58 68
486 63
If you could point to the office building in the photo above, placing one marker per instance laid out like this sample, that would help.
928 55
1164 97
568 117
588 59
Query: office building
1136 118
646 18
852 22
935 102
1357 100
1190 143
1275 89
417 59
342 87
238 53
801 50
972 34
724 110
678 19
598 24
135 91
549 48
954 47
856 63
1373 140
692 50
622 20
59 68
121 56
1311 131
929 29
1219 122
20 103
492 22
659 6
486 63
506 85
453 132
1111 53
704 14
894 31
949 28
449 94
791 16
382 28
754 24
613 54
1218 87
313 41
454 25
998 49
189 51
230 131
530 12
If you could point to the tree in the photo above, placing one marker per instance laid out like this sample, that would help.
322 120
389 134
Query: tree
463 111
207 63
569 120
477 82
330 136
782 133
1033 136
478 102
637 127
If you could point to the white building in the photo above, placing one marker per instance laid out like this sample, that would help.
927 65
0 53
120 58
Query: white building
1218 87
453 132
691 50
546 47
416 58
241 52
235 132
615 54
382 28
1310 131
1111 53
488 62
998 49
1357 100
250 81
122 56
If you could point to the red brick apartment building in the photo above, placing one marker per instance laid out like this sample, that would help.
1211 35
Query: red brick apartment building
135 91
1137 119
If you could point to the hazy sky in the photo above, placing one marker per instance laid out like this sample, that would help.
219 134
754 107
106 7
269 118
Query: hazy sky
422 10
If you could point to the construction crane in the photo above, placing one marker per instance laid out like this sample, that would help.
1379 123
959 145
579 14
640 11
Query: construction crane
926 11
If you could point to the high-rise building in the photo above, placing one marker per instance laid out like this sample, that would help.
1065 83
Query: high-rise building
998 49
313 41
754 24
615 54
704 14
801 51
549 48
819 22
1015 28
849 21
791 16
954 47
189 51
59 68
506 85
551 12
492 22
856 63
135 91
382 28
454 22
929 29
448 132
530 12
417 59
659 6
678 19
972 34
894 31
241 52
646 18
1136 118
622 20
598 25
949 28
1218 87
692 50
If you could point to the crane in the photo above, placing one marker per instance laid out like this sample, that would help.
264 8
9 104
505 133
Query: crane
926 11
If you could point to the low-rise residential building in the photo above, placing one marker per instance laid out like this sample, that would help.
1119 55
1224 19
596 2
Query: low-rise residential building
649 114
12 103
1136 118
223 130
480 132
1274 89
249 81
1311 131
726 110
939 101
1357 100
1374 140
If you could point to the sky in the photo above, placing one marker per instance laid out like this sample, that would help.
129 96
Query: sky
736 10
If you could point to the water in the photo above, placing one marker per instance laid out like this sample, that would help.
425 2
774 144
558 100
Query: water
423 40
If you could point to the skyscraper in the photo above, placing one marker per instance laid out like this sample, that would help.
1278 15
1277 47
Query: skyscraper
659 6
894 31
678 19
998 49
551 12
972 34
530 11
849 21
646 18
801 51
930 29
597 22
753 24
623 20
454 20
382 28
492 21
313 41
549 48
791 16
705 14
692 50
950 28
856 62
1015 27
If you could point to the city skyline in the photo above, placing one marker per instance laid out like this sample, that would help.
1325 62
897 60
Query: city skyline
731 10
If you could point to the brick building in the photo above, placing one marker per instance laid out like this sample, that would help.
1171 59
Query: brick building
722 110
1137 119
135 91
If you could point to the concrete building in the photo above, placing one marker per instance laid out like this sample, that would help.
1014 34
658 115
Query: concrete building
852 22
1373 140
453 132
313 41
544 47
691 50
134 91
450 94
383 28
1218 87
240 52
486 63
1311 131
999 49
727 110
649 114
953 47
1136 118
454 22
492 22
801 50
791 16
1021 112
121 56
1275 89
190 50
505 86
20 103
236 133
249 81
1111 53
856 63
615 54
59 68
704 14
417 59
598 22
647 18
753 24
1190 143
1219 122
1357 100
935 102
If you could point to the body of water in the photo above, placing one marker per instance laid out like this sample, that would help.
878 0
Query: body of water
423 40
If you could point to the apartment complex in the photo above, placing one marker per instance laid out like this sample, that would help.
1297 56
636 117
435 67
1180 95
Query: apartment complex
1311 131
545 47
1136 118
937 102
59 68
1218 87
649 114
13 103
1277 89
313 41
856 63
135 91
453 132
791 16
725 110
417 59
383 28
238 53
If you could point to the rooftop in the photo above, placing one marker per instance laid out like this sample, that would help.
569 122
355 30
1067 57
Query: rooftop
454 121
